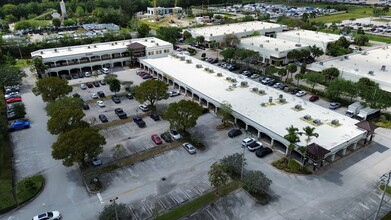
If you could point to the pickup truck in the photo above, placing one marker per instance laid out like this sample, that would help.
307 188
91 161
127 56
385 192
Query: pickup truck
139 121
18 125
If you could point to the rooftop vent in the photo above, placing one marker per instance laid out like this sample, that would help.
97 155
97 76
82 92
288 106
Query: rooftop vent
233 80
183 58
364 53
255 89
383 68
88 47
95 46
335 122
219 74
263 104
198 65
276 49
298 107
321 63
270 99
244 83
307 117
234 85
69 49
41 52
228 78
298 45
282 100
370 73
267 41
55 50
152 41
211 71
316 121
261 45
145 40
346 57
261 91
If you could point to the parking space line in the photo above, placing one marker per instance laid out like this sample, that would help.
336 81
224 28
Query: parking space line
100 198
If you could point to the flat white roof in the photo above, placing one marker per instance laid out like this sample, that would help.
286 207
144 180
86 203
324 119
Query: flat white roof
270 43
217 30
360 64
306 35
275 117
99 47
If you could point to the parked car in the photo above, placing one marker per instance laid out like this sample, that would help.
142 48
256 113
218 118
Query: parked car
175 135
85 106
254 76
294 91
19 125
102 82
189 148
115 99
254 146
155 116
87 74
13 99
277 85
104 71
334 105
314 98
147 76
96 84
271 82
282 86
156 139
129 96
120 113
96 161
262 152
100 103
83 86
247 141
94 96
53 215
101 94
166 137
89 85
139 121
173 93
265 80
234 132
301 93
143 108
103 118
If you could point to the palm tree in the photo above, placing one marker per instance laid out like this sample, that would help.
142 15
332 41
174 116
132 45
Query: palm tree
309 133
293 138
299 77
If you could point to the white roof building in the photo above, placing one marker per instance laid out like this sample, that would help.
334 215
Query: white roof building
374 64
271 49
311 38
252 108
217 32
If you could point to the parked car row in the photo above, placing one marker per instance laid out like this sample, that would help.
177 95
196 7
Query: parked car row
251 144
228 66
84 86
85 74
143 74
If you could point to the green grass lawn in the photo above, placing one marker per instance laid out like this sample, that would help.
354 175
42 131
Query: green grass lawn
28 188
383 39
198 203
354 12
23 63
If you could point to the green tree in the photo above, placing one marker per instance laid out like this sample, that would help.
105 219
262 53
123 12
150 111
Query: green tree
360 31
19 110
313 78
56 22
108 212
114 84
151 91
79 11
228 53
309 133
200 39
63 103
77 145
11 75
247 18
230 40
281 72
386 9
291 68
169 34
293 54
361 40
293 138
217 176
336 88
52 88
330 73
256 182
38 66
186 35
143 30
225 112
64 120
305 17
299 77
183 114
316 51
233 164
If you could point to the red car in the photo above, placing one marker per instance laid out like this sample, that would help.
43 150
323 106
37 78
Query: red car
156 139
13 99
314 98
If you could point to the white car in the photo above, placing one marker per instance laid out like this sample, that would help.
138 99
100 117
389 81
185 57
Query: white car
143 108
83 86
254 76
100 104
53 215
173 93
175 135
94 96
277 85
189 148
247 141
87 74
301 93
254 146
105 70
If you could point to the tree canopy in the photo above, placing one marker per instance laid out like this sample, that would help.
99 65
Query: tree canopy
77 145
11 75
169 34
143 30
225 111
233 164
217 176
151 91
64 120
256 182
313 78
52 88
230 40
183 114
63 103
114 84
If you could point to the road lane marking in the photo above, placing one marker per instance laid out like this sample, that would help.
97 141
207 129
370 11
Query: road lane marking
100 198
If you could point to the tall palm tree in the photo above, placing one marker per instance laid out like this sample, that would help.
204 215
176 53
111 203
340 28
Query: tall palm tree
293 138
309 133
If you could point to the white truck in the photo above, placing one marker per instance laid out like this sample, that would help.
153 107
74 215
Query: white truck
354 109
368 113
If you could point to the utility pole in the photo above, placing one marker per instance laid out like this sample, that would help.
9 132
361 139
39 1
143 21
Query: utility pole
387 175
115 207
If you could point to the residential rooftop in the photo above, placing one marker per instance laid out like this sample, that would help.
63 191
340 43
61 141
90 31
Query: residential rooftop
274 117
269 43
99 47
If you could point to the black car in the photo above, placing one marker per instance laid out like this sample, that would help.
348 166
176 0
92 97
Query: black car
166 137
85 106
139 121
120 113
294 91
103 118
263 152
234 132
101 94
68 77
102 82
271 82
75 76
81 75
89 85
155 117
96 84
115 99
129 96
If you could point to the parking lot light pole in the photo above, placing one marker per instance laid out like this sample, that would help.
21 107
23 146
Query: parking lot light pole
115 207
388 176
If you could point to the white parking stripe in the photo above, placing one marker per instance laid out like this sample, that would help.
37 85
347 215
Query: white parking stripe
100 198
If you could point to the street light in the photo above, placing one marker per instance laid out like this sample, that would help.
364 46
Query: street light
115 206
382 180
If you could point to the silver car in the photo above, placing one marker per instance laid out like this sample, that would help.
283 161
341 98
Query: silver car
189 148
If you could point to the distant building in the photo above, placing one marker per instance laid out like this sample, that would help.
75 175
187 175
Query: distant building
69 60
63 9
164 11
111 26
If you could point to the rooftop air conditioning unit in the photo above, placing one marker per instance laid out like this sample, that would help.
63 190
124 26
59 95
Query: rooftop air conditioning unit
316 121
152 41
383 68
321 63
183 58
88 47
188 61
364 53
307 117
255 89
282 100
341 59
251 43
270 99
276 49
234 85
233 80
41 52
261 45
69 49
219 74
244 83
370 72
228 78
346 57
280 96
211 71
267 41
94 46
55 50
335 122
261 91
298 45
198 65
263 104
145 40
298 107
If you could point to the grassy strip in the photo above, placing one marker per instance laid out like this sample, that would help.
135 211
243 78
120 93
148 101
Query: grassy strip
200 202
383 39
23 63
113 123
388 189
28 188
294 166
353 12
93 172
